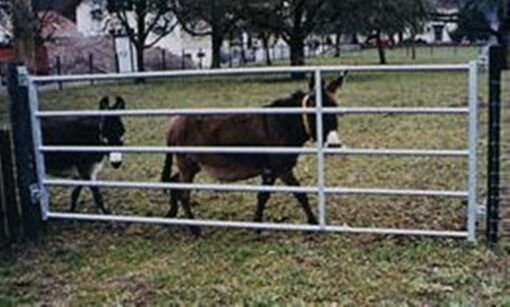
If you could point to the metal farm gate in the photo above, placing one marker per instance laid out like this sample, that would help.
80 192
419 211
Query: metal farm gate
470 153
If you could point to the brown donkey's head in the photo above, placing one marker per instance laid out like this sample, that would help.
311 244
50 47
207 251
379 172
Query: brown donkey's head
330 122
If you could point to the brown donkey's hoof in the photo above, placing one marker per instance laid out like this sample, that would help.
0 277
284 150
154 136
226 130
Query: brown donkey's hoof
313 221
195 230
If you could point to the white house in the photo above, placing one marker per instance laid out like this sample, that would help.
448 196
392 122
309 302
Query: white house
92 19
438 30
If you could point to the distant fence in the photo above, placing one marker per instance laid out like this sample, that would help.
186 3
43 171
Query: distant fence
10 214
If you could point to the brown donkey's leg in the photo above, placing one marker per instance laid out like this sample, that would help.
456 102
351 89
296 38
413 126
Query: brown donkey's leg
75 195
86 174
263 197
174 199
290 179
187 171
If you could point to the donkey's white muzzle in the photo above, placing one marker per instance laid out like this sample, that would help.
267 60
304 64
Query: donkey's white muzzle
115 159
332 140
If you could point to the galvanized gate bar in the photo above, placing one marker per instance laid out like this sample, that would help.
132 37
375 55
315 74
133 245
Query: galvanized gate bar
252 188
251 225
472 140
243 111
258 150
319 141
253 71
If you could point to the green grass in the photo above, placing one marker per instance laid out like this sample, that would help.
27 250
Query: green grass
91 263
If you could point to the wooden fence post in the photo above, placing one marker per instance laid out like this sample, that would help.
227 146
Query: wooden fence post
17 84
12 213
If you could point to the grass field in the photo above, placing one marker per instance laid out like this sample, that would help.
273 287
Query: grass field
92 263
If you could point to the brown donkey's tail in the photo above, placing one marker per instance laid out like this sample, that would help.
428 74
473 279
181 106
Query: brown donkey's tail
166 174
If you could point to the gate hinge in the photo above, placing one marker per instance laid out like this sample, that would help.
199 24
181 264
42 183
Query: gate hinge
35 193
22 76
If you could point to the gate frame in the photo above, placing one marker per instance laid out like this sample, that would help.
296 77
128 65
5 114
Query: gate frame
471 153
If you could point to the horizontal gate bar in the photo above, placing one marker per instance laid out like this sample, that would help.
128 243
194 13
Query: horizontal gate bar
254 150
244 111
252 188
180 186
253 71
395 192
251 225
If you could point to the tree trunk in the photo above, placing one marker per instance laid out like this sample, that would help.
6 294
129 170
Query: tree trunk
400 38
140 61
413 47
23 21
140 57
265 44
140 37
380 49
217 41
297 56
338 38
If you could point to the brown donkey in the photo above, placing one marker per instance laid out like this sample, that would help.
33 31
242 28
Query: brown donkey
277 130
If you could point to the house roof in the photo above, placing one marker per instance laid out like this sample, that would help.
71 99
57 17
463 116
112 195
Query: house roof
56 25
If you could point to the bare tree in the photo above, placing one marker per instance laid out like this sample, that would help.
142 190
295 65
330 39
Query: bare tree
214 18
293 20
145 22
387 17
26 23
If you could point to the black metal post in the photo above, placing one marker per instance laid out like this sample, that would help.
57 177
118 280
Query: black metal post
183 59
163 59
230 62
33 224
91 66
496 62
59 71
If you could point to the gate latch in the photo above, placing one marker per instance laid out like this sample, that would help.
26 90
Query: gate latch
35 193
22 76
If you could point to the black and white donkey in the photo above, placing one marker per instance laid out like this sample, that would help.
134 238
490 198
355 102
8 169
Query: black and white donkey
84 131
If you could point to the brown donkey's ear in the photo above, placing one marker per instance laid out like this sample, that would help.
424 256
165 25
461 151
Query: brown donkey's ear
311 83
103 104
334 85
120 103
